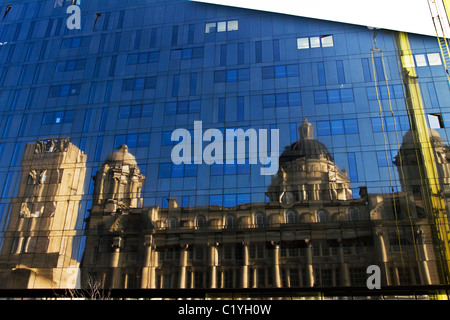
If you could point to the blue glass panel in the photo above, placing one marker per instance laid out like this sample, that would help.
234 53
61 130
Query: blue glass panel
347 95
175 84
60 66
268 73
69 116
215 200
165 170
292 70
166 138
23 125
128 84
139 83
232 75
186 54
366 70
320 97
352 166
120 140
340 71
190 170
150 83
243 74
268 100
230 168
191 33
147 110
176 54
377 125
276 50
197 53
379 68
87 120
280 71
124 112
351 126
15 155
48 118
293 132
171 108
337 127
321 73
7 184
216 169
240 108
241 53
132 140
135 111
371 93
281 100
177 170
334 96
103 119
193 84
258 51
323 128
194 106
381 159
183 107
221 115
295 99
142 57
398 91
229 200
433 95
219 76
223 55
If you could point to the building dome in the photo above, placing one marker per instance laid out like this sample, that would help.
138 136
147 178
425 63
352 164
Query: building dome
122 155
307 147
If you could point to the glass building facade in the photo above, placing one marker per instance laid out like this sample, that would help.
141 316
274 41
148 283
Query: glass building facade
90 190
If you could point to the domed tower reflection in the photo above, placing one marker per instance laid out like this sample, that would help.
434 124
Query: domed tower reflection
308 172
407 162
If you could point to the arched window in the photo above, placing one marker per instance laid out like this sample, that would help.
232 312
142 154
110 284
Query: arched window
201 222
291 217
259 220
321 216
173 223
230 222
353 214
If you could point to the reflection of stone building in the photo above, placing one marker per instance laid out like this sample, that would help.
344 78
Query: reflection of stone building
311 232
37 248
407 164
115 221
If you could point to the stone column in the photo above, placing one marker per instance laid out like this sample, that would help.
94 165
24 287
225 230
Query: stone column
382 256
154 265
309 264
191 275
244 276
183 265
19 245
146 270
114 263
115 188
423 263
213 262
343 267
288 277
276 265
